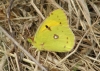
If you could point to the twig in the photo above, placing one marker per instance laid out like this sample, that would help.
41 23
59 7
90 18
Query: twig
9 8
37 9
8 14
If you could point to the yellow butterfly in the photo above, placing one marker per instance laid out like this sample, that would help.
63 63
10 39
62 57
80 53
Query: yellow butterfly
54 34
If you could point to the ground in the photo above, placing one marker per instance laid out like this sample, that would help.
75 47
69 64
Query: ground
19 20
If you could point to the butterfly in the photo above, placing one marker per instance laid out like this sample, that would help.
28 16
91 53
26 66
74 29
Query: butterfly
54 34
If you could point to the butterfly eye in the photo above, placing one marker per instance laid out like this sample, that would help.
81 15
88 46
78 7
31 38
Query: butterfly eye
55 36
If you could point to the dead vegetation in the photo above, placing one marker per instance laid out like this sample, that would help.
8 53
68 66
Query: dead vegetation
24 18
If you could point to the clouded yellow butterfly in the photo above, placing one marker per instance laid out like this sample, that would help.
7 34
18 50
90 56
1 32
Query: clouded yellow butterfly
54 34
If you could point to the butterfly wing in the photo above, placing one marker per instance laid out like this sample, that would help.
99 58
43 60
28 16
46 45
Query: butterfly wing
54 33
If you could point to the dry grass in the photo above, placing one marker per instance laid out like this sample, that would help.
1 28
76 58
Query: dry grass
27 15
